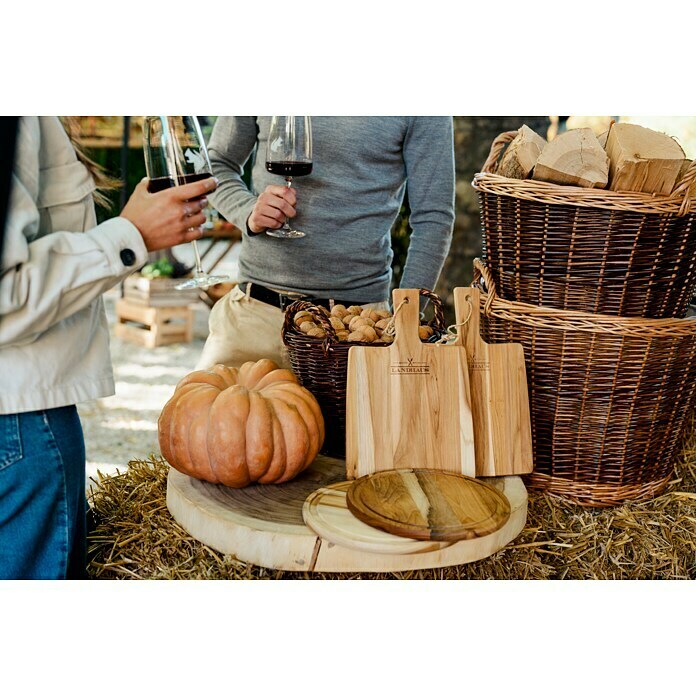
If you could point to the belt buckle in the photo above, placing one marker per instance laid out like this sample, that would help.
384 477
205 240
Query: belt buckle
286 300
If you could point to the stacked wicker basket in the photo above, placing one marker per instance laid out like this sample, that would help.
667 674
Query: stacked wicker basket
595 284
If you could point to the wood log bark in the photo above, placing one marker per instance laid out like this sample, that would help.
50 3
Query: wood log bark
642 159
574 158
684 168
522 154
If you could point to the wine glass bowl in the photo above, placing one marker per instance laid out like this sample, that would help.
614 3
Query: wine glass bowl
176 154
289 154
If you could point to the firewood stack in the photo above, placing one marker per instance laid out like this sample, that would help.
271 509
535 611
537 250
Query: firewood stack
627 157
589 247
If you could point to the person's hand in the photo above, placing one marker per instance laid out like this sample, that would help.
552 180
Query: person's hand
169 217
272 207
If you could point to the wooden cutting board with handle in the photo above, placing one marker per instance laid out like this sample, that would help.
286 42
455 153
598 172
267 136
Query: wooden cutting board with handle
408 405
500 401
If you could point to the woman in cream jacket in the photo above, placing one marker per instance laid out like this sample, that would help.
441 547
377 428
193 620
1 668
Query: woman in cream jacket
54 340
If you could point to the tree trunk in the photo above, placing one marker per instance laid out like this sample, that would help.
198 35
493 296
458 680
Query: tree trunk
472 141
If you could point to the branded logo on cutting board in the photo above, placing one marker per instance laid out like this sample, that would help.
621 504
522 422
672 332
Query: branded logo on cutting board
410 368
478 364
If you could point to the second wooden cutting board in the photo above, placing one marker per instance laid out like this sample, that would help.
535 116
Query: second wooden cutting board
408 406
497 376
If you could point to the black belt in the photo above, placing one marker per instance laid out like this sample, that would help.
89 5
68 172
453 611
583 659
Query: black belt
282 300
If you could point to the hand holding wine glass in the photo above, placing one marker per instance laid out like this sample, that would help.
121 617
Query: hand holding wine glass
288 154
170 217
176 156
273 207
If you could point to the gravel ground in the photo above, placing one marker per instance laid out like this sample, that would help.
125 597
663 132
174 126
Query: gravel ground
121 427
124 426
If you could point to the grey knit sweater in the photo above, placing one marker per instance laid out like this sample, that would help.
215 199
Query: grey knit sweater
347 205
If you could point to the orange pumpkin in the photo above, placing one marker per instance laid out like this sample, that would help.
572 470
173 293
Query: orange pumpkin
240 426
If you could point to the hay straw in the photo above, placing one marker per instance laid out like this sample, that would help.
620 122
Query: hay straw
136 537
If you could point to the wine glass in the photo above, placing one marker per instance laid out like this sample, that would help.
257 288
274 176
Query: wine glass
289 154
175 154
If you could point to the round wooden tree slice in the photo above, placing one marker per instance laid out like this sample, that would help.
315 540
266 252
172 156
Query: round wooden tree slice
428 504
326 512
263 525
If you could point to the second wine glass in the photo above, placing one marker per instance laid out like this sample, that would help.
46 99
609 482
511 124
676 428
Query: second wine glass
175 154
289 154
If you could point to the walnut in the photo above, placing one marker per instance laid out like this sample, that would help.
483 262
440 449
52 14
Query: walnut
425 332
301 317
337 324
355 322
360 337
339 310
317 333
308 326
369 333
348 318
354 309
382 324
342 335
370 314
383 313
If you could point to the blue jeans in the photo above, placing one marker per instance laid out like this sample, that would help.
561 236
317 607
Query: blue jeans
42 495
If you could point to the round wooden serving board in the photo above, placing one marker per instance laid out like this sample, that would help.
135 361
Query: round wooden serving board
263 525
428 504
326 512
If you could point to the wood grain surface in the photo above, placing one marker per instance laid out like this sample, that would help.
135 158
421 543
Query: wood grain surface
263 525
408 406
326 512
499 395
424 504
574 157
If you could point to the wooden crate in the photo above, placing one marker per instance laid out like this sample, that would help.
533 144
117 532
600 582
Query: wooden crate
158 292
153 326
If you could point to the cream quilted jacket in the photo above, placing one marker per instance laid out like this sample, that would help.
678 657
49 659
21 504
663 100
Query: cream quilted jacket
56 263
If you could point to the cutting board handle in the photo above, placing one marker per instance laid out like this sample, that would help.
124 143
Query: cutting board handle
406 316
466 310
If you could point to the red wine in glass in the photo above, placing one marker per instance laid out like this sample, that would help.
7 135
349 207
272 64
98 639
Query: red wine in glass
161 183
176 154
290 169
289 154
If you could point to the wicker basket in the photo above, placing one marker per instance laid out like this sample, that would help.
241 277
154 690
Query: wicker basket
321 365
609 395
591 250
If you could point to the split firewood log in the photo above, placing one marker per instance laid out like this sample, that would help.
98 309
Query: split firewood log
522 154
575 158
642 159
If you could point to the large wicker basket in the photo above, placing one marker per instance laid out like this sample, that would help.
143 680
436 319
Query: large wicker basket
591 250
321 365
609 396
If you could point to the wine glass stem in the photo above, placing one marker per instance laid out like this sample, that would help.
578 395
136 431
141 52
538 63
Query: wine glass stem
199 265
288 183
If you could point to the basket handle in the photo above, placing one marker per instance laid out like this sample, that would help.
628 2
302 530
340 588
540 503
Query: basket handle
682 189
481 272
317 315
438 320
490 166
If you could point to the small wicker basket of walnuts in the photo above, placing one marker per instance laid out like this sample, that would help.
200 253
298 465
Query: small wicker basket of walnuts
353 324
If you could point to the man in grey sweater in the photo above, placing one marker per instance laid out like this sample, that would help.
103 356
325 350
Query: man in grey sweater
346 207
